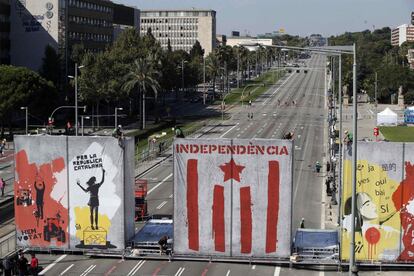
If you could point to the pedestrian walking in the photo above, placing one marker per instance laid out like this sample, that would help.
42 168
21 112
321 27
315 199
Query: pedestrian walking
22 264
2 186
34 265
318 167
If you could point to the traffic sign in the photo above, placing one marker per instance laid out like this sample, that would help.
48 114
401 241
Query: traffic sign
376 133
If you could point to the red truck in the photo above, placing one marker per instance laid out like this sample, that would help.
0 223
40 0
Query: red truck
141 211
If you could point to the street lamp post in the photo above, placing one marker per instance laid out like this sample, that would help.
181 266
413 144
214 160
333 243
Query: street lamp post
204 80
182 74
340 120
76 95
27 117
352 266
116 115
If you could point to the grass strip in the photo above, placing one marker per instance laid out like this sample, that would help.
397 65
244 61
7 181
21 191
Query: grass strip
398 133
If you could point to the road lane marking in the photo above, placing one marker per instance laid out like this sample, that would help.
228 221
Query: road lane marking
171 196
283 83
52 264
277 271
156 271
228 272
111 270
224 134
254 267
159 184
88 270
161 205
180 271
66 270
136 268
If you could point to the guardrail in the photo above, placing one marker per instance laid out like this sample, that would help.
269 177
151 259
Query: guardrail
7 244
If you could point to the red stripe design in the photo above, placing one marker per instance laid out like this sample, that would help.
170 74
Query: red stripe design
192 204
245 220
218 218
272 206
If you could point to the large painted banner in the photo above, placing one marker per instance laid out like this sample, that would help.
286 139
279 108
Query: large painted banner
41 195
96 205
384 202
232 197
70 192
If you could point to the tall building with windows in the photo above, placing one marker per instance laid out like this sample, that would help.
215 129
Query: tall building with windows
62 24
4 32
402 34
181 27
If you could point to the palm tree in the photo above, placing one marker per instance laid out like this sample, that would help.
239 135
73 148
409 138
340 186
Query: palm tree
142 76
213 69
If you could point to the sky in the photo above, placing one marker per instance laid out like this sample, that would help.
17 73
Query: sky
297 17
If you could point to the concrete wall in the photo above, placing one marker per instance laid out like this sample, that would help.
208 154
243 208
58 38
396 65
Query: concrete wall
232 204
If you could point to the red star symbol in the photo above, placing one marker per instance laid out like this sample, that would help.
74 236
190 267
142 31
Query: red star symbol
231 170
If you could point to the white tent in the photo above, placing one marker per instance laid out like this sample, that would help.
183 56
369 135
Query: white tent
387 117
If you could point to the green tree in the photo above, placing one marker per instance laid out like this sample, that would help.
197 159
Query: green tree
196 52
20 86
51 66
143 76
213 69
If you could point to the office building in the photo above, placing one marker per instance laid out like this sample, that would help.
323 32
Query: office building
62 24
412 18
402 34
181 27
4 32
